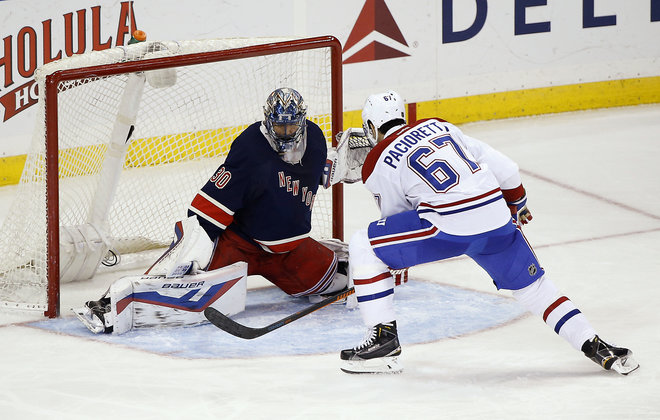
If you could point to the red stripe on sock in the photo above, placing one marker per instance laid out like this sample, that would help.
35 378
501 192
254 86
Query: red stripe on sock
359 282
552 307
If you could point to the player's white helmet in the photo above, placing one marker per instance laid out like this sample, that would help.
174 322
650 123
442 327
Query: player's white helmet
380 109
284 118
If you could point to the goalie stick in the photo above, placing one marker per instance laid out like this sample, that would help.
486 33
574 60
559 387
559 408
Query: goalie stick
227 324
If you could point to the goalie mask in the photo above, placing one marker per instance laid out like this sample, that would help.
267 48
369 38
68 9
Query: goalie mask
284 119
380 109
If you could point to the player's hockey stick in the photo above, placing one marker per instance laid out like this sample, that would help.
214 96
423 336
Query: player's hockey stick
225 323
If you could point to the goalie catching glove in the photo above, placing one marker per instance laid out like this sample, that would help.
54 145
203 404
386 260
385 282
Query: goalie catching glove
344 164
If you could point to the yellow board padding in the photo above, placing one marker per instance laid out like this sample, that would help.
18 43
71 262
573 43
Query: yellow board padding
460 110
168 149
526 102
11 168
151 151
544 100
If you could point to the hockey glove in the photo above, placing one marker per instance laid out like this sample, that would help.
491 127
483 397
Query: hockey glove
516 199
344 163
400 276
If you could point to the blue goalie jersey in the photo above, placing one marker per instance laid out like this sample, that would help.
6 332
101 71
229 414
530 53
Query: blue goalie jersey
259 196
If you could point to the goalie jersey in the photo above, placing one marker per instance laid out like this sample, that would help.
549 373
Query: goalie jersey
259 196
452 180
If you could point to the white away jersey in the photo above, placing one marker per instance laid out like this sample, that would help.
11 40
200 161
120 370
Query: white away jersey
451 179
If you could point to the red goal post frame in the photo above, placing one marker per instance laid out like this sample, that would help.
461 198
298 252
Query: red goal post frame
51 105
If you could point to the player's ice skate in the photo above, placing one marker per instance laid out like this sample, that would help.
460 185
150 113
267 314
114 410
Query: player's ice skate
618 359
378 353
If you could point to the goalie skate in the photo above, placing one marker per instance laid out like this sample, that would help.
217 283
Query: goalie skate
378 353
96 315
609 357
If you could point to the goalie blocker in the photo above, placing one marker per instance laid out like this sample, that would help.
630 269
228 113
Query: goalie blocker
149 301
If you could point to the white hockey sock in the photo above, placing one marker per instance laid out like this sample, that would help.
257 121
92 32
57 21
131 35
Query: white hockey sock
542 298
374 284
375 298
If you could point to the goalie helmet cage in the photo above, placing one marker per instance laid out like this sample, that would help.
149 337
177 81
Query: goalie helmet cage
120 129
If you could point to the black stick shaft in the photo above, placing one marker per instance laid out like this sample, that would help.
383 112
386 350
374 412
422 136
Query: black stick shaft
227 324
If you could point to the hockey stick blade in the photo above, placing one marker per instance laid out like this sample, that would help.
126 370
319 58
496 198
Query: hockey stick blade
227 324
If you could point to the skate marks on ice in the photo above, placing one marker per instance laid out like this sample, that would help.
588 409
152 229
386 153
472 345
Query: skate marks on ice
427 312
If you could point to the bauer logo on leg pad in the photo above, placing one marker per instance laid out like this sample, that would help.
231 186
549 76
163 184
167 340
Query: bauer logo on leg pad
182 285
151 301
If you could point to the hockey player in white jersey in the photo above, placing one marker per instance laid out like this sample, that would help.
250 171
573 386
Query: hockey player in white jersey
442 194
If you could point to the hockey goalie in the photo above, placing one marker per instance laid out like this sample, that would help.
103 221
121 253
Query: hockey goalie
252 217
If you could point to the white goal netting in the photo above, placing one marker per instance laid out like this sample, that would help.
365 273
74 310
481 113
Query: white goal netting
185 118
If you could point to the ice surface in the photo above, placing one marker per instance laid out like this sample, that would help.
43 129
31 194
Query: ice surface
592 183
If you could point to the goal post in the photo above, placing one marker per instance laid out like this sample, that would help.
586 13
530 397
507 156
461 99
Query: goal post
128 135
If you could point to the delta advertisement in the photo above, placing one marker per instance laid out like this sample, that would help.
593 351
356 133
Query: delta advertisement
428 50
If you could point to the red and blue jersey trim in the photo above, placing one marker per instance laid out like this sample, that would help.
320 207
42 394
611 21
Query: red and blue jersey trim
408 236
282 245
211 210
462 205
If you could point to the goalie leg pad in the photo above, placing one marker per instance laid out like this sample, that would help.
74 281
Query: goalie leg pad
156 301
82 248
149 301
341 279
338 247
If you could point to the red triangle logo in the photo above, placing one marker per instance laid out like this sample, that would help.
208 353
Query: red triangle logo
374 17
374 51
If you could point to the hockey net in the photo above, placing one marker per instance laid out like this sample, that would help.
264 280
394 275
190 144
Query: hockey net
182 104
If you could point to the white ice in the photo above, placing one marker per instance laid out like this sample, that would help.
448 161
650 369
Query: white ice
592 182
